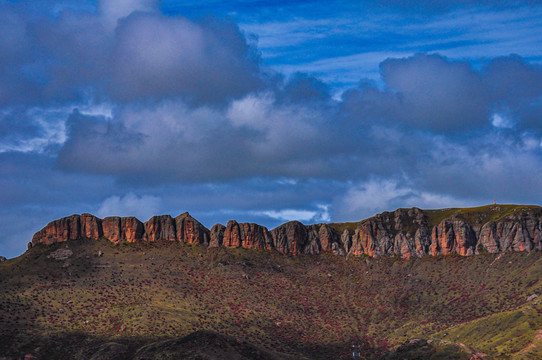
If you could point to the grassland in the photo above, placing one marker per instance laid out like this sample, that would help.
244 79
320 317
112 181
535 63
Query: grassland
479 215
312 307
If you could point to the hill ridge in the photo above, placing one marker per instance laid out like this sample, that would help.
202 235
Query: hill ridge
405 232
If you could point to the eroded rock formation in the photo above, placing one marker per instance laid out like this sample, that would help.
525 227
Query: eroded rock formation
217 235
125 229
190 230
160 227
404 232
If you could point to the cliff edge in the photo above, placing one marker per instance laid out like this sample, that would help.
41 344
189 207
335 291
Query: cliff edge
403 232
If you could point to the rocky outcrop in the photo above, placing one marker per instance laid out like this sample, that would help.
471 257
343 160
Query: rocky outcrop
125 229
254 236
190 230
160 227
511 233
422 241
68 228
112 229
346 241
329 239
405 232
91 226
232 235
246 235
217 235
290 238
453 236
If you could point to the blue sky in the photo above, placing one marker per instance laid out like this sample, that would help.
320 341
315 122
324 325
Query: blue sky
265 111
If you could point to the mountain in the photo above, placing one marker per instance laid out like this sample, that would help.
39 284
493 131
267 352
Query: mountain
403 232
89 297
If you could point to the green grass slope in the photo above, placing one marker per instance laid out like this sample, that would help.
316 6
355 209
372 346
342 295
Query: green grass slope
515 333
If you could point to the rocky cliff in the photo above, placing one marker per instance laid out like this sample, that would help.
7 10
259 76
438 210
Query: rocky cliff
403 232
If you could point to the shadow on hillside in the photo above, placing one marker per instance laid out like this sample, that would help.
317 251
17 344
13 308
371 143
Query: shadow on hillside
206 345
202 345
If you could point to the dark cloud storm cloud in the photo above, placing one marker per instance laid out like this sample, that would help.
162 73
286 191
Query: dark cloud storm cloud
127 55
437 94
156 56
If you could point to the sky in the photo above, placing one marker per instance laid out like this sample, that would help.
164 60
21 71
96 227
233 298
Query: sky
265 111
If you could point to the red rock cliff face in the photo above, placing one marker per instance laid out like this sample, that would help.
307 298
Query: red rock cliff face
68 228
404 232
232 235
246 235
254 236
160 228
328 237
514 232
409 232
91 226
190 230
376 236
453 236
217 235
132 229
125 229
319 238
290 238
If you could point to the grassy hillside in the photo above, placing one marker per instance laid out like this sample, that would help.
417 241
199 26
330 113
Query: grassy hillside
481 214
514 332
65 300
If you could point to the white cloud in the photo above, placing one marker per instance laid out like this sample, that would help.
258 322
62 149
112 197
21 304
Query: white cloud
321 214
130 205
289 214
287 181
364 200
50 124
503 121
251 111
367 199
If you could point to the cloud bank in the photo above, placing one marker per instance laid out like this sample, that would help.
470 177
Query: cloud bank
431 115
126 110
